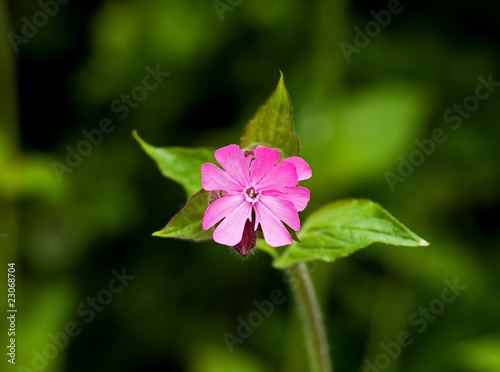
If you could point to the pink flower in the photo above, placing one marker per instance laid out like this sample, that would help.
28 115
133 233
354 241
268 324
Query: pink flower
263 192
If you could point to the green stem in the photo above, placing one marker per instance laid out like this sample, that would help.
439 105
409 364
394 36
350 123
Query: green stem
311 318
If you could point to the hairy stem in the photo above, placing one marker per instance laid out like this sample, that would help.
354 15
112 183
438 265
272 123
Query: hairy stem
311 318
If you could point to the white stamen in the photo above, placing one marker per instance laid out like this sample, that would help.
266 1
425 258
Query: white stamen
251 195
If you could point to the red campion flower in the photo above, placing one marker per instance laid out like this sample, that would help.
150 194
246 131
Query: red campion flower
261 192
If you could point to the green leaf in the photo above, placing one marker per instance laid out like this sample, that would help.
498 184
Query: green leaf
273 125
187 224
342 228
179 164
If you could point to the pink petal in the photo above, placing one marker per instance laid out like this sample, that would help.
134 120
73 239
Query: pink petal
275 233
230 230
299 196
214 178
221 208
234 162
265 160
281 176
303 170
284 210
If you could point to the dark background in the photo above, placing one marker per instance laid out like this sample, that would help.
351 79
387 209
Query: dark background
357 121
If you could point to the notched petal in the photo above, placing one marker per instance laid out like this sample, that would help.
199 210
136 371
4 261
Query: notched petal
303 170
281 176
213 178
220 209
233 160
299 196
230 230
265 160
275 233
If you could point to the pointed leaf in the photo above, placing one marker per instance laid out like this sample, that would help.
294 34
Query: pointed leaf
179 164
273 124
187 224
342 228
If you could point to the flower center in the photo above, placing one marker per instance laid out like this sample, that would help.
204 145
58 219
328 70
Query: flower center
251 192
251 195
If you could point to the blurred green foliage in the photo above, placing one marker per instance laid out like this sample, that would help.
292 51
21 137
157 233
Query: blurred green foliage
354 120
